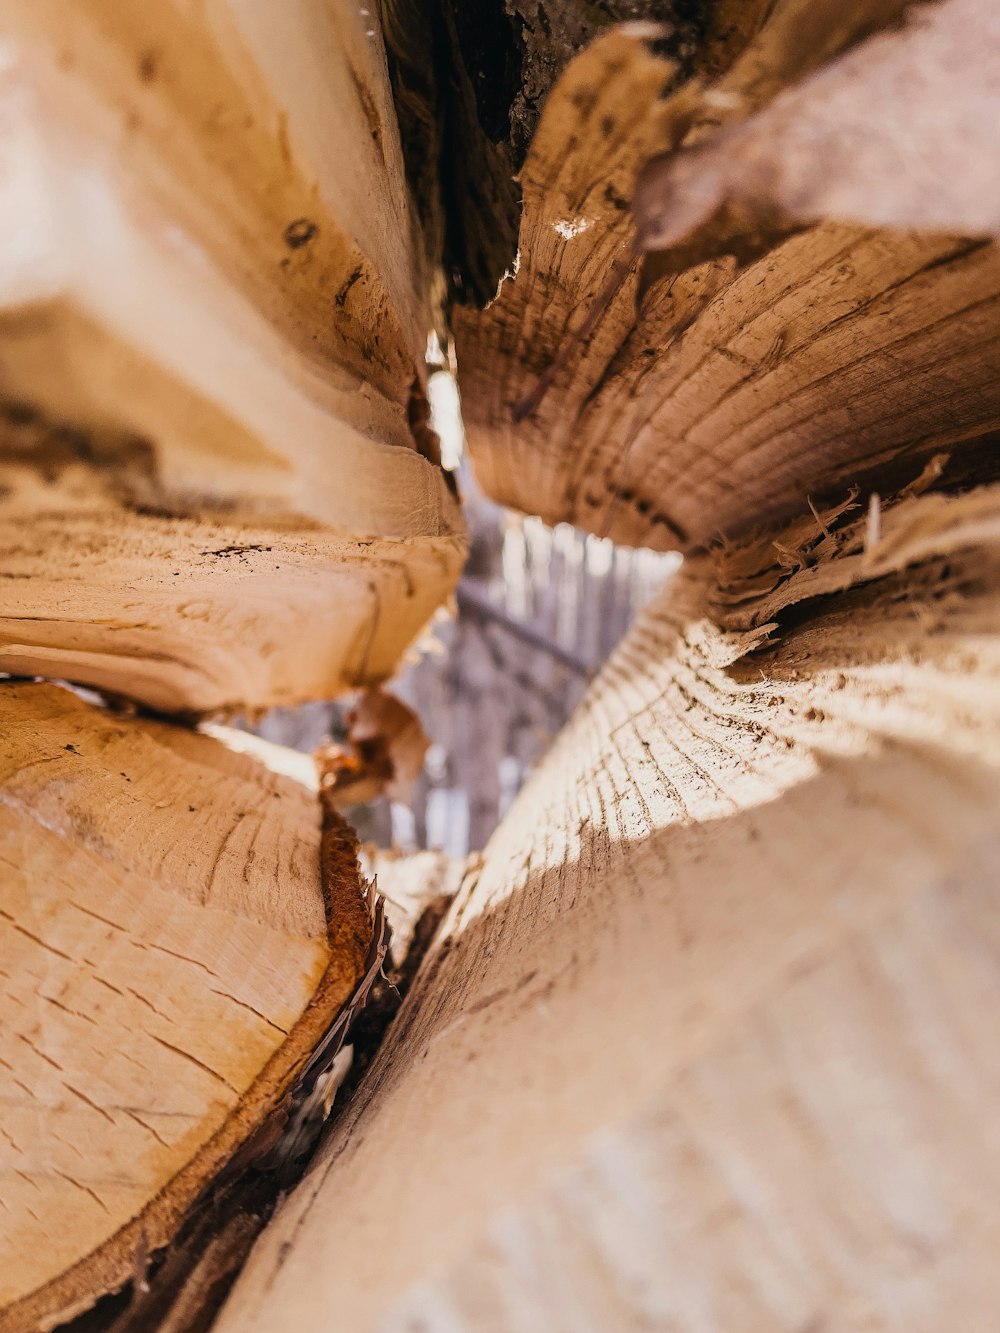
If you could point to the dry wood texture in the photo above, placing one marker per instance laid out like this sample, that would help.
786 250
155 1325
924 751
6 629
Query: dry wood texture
167 963
666 400
213 318
205 611
706 1041
709 1040
898 133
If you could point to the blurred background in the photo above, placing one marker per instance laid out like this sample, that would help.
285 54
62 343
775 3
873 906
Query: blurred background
537 611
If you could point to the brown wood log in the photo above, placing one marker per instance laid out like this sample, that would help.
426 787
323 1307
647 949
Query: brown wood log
669 399
213 318
169 957
705 1040
708 1041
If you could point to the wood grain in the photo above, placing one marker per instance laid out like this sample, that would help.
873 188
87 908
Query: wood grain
708 1041
213 317
203 612
167 962
776 344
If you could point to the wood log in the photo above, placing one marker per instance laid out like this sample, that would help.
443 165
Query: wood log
712 369
705 1040
169 960
213 318
708 1041
469 83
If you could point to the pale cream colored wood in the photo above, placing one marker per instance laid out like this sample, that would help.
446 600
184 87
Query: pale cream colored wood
212 311
412 883
709 1041
706 388
897 133
166 965
202 612
218 192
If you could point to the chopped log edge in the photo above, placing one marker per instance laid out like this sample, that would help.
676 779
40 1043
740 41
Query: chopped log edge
709 1038
666 399
213 324
705 1040
170 960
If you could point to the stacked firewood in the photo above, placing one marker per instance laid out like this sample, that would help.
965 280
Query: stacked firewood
705 1040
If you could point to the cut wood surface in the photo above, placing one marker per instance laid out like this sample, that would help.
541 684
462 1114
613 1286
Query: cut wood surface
704 1040
667 400
201 612
709 1041
898 133
213 314
168 961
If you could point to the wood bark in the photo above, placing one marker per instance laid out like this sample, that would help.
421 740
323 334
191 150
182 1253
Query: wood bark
213 316
708 1041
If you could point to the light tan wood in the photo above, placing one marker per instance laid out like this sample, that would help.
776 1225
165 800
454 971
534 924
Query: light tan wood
667 399
410 885
213 312
897 133
207 611
167 963
709 1041
706 1040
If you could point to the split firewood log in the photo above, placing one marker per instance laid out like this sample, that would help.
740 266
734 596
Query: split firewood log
170 958
705 1039
709 1038
757 333
217 487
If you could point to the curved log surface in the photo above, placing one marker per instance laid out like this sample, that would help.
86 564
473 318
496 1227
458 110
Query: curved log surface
213 317
754 359
706 1038
168 961
708 1041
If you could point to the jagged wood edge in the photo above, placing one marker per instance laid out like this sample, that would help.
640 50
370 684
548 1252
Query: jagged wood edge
254 1302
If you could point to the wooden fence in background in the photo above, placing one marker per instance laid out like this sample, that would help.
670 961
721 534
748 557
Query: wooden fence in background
538 610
